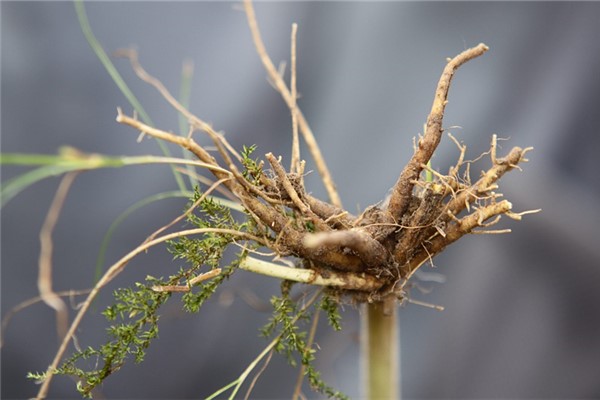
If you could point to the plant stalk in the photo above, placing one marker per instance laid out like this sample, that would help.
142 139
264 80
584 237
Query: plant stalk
380 348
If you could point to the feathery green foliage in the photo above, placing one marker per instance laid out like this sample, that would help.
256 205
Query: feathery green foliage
252 167
134 316
292 343
134 323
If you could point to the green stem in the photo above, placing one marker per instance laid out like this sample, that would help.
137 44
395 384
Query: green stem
380 352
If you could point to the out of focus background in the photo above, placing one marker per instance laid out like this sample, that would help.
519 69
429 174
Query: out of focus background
522 317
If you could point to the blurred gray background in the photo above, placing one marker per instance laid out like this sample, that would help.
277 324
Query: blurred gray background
522 316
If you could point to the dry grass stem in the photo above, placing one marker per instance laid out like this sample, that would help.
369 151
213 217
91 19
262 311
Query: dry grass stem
295 162
34 300
186 288
309 344
258 374
281 87
47 294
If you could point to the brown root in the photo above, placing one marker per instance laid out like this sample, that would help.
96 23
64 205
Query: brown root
386 243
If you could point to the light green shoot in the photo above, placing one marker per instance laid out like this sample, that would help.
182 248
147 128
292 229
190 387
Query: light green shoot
70 159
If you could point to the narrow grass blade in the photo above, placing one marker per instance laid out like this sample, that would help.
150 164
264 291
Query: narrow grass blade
119 81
